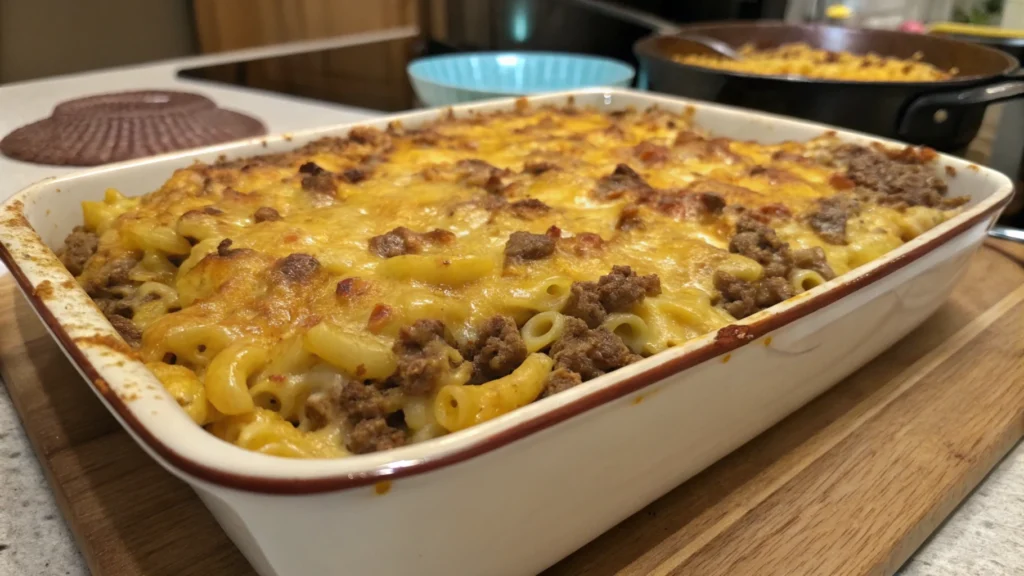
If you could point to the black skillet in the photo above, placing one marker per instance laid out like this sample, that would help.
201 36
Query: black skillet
944 115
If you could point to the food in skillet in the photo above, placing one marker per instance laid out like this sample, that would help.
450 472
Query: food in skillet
362 293
800 59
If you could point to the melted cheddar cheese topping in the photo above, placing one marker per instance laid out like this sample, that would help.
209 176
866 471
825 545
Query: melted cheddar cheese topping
274 295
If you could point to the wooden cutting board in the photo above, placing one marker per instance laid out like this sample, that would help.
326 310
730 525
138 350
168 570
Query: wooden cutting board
851 484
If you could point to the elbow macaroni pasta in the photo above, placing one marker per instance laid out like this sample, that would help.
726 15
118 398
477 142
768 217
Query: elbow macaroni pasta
543 330
804 280
437 270
362 293
356 354
458 407
228 375
631 328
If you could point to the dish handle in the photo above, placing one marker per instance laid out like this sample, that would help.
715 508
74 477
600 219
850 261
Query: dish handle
929 110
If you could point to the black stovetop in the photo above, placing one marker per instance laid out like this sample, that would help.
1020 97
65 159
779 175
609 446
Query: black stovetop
370 76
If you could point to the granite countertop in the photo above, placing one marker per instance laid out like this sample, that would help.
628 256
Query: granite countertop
984 536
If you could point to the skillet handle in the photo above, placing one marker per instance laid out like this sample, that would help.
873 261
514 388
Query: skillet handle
1006 233
637 17
932 109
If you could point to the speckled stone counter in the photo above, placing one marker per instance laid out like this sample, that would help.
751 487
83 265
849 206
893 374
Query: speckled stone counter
33 536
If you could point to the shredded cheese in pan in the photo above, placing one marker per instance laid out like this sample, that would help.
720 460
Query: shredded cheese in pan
799 59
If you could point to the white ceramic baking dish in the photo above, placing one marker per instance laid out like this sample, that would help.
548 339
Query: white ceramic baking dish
516 494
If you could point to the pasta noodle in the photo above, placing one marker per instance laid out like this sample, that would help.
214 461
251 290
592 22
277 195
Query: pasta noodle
631 329
195 345
357 354
458 407
437 270
228 375
804 280
185 387
100 216
543 330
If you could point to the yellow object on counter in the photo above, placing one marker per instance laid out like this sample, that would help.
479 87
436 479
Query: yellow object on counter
974 30
838 12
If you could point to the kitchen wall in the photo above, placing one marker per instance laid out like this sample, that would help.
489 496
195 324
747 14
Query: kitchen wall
233 24
48 37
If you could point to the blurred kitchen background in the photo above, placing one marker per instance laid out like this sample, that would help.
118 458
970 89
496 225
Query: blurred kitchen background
41 38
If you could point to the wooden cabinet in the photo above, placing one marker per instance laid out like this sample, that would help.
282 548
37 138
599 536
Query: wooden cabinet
371 75
234 24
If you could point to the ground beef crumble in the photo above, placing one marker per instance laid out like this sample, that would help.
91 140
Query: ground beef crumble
528 208
79 246
361 401
538 167
402 240
113 291
475 172
687 204
623 180
422 353
742 298
355 175
127 329
651 153
114 304
830 217
351 288
265 214
497 350
757 241
364 407
224 249
617 291
311 169
323 407
373 435
322 183
583 353
297 268
370 136
115 272
629 218
813 259
560 380
901 178
522 246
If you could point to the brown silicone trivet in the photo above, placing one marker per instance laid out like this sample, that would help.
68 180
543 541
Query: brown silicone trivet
124 125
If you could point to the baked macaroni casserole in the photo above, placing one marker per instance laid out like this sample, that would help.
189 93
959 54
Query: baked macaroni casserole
366 292
800 59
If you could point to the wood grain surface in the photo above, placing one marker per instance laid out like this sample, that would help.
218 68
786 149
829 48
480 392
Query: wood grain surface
852 483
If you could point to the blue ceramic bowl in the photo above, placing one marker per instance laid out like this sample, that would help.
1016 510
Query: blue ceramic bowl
455 78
